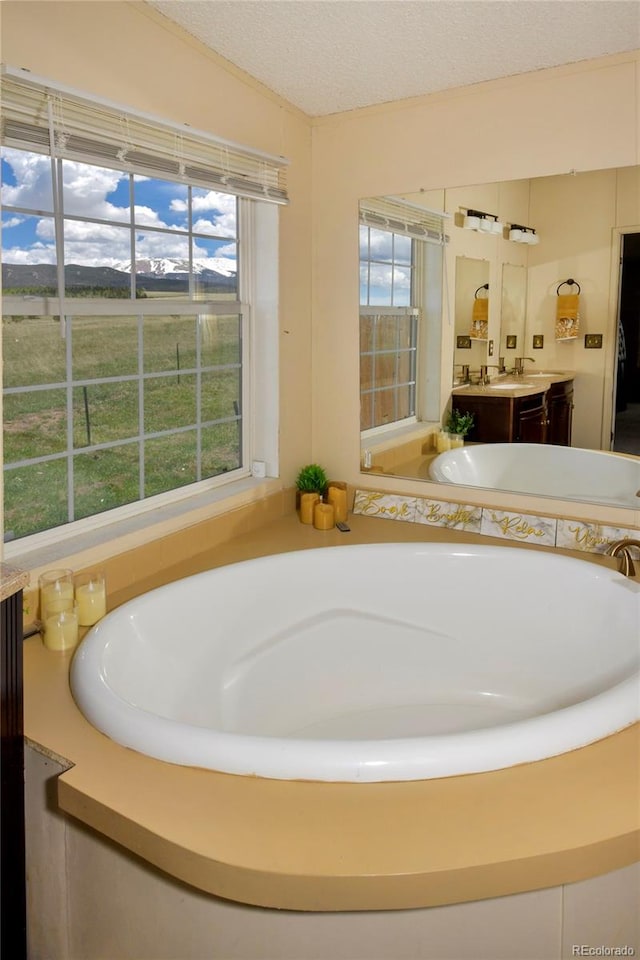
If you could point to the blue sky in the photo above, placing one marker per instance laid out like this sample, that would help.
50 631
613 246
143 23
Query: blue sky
102 194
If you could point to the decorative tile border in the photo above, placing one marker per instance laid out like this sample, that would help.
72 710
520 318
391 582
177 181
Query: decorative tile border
518 526
452 516
389 506
491 521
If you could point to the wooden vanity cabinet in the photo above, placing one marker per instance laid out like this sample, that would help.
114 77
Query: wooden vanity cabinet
560 404
506 419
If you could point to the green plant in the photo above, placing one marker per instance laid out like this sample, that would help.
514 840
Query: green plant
312 479
460 422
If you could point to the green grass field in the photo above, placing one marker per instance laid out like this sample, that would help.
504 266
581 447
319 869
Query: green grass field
37 423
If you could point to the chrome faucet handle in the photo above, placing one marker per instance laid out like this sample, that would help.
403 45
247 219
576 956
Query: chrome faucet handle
621 550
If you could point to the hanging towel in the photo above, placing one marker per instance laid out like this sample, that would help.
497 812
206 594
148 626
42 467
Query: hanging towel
480 319
567 316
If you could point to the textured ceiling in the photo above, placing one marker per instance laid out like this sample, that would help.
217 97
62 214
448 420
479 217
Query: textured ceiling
326 56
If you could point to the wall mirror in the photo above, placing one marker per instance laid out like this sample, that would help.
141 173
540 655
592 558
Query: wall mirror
588 228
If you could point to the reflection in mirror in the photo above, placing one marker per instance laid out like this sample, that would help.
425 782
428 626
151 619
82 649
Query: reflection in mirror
588 227
471 314
401 266
513 309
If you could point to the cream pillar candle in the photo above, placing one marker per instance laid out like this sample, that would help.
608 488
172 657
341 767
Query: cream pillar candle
61 630
91 598
323 516
56 592
442 441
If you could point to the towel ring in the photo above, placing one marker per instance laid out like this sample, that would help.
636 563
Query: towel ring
570 281
485 286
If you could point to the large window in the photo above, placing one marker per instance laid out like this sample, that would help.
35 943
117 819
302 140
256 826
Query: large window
126 331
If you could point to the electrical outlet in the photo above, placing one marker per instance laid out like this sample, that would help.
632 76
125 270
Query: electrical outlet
258 468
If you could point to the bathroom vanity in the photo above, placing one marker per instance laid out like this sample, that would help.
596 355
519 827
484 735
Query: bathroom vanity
522 410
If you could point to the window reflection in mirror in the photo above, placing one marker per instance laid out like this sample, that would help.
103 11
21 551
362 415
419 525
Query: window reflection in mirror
401 289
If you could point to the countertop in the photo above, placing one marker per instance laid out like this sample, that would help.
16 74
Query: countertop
342 846
11 580
519 386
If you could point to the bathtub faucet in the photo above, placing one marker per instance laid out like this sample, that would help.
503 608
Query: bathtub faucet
621 549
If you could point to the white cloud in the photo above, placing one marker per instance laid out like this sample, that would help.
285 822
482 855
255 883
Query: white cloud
88 192
33 173
12 222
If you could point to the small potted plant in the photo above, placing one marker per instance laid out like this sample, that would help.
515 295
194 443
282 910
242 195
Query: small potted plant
458 426
311 483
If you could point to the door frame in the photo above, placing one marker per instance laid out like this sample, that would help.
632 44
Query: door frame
611 342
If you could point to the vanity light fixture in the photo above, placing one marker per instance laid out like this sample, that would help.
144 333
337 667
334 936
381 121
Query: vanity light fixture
520 234
482 222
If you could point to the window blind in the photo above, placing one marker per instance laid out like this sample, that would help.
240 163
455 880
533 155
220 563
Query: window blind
399 216
44 117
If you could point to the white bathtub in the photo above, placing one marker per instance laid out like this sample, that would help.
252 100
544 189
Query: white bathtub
368 663
538 468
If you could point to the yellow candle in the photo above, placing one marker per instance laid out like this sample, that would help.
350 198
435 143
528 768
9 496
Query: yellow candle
61 630
323 516
337 497
91 598
55 597
456 440
307 503
442 441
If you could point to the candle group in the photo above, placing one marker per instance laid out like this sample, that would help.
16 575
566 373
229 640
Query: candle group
324 513
65 607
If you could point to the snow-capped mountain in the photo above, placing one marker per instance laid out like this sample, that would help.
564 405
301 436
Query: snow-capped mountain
164 266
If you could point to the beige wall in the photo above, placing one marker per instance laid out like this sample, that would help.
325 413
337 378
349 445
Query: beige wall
581 117
132 56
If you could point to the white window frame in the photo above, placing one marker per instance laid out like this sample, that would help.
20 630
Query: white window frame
259 287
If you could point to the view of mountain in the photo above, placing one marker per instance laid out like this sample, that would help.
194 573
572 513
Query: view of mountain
156 275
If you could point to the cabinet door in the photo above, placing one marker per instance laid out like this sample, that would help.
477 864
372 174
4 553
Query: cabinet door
560 413
532 424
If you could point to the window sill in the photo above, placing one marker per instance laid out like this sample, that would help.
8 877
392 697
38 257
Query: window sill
96 545
391 438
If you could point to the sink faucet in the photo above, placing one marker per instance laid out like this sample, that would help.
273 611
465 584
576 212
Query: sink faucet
621 549
519 361
464 376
